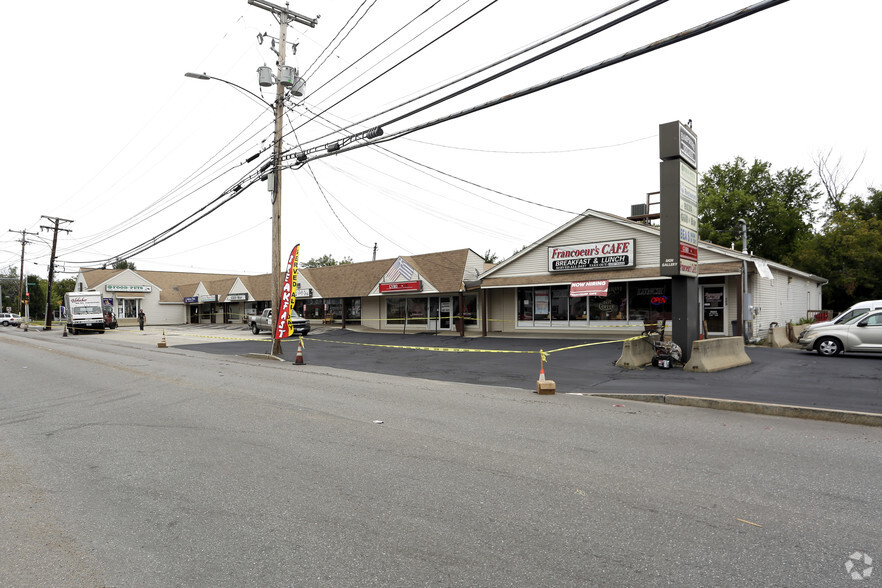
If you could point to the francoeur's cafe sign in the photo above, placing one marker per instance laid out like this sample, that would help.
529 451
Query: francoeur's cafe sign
588 256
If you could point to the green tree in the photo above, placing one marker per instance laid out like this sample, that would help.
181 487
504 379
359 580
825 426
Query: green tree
847 251
124 264
491 257
9 285
36 288
60 288
778 207
324 260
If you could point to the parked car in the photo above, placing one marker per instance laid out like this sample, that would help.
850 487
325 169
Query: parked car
853 311
264 322
9 319
862 333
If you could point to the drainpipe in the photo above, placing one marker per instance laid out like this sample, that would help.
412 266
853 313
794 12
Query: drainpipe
745 297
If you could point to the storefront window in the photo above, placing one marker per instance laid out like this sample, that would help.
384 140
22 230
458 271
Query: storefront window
312 309
578 309
353 309
416 311
395 311
560 304
525 304
128 308
612 307
542 303
334 308
650 301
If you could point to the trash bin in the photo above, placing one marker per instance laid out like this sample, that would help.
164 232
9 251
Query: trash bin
735 329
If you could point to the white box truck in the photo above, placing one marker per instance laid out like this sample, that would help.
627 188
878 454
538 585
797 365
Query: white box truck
84 311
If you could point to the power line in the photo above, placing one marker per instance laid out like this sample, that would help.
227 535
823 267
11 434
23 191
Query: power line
433 41
649 48
331 42
508 57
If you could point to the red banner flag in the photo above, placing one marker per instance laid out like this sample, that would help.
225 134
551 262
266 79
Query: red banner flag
284 327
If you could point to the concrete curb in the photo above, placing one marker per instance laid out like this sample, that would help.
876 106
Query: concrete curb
799 412
264 356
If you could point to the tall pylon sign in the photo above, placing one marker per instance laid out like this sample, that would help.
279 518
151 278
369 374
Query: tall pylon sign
678 250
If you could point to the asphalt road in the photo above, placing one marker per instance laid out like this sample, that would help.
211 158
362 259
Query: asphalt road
122 464
850 382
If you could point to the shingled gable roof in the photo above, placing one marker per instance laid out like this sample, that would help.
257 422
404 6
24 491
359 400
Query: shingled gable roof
348 280
444 270
173 286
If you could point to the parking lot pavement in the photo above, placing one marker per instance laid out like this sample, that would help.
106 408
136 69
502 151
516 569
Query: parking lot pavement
850 382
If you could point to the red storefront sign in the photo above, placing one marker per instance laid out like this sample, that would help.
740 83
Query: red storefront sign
590 288
412 286
688 251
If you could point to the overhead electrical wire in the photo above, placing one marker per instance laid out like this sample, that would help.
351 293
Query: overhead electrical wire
500 61
621 58
331 52
416 165
377 46
254 176
404 60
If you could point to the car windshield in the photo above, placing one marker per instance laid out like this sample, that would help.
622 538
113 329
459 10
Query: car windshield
845 317
856 318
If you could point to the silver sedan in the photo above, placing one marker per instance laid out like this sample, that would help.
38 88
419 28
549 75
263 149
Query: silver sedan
863 334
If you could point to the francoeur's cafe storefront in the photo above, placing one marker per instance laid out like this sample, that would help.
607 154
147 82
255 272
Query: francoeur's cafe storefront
599 275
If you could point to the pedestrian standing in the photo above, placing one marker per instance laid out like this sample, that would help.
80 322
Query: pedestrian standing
141 318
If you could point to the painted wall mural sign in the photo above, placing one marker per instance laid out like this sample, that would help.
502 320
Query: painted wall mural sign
588 256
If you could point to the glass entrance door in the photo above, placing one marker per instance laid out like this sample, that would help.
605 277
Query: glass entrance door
445 309
714 305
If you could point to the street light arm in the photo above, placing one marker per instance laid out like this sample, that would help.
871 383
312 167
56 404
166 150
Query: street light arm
202 76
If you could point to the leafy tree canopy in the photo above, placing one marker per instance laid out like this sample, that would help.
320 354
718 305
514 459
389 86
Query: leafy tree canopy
847 251
778 207
324 260
124 264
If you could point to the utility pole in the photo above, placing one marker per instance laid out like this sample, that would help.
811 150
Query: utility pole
284 16
54 229
24 241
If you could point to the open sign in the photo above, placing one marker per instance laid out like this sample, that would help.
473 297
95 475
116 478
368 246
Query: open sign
658 300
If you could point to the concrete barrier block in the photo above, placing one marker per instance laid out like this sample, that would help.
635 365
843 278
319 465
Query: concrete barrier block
714 355
796 332
635 354
778 337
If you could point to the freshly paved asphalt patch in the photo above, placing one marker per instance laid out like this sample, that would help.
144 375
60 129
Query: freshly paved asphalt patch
780 376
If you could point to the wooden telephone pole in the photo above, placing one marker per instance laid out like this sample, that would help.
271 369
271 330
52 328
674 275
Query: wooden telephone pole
24 241
284 16
55 228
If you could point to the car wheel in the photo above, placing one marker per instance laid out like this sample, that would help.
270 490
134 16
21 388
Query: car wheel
5 323
254 329
828 346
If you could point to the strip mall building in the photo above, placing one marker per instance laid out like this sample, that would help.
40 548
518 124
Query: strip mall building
597 275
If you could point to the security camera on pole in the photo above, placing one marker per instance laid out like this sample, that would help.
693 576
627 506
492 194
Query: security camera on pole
286 77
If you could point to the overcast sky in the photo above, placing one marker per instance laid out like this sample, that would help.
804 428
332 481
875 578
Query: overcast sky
101 127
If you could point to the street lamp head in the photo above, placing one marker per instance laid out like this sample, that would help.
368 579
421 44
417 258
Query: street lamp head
197 76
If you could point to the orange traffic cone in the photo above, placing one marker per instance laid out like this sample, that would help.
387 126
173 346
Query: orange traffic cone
543 386
299 359
162 344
